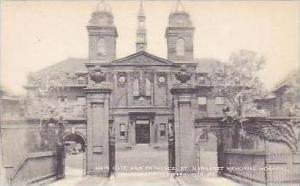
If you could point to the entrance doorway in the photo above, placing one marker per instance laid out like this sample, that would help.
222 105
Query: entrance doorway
75 145
142 131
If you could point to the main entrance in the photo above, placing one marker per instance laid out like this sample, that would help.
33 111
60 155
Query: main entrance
142 131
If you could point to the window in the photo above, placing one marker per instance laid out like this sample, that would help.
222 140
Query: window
202 104
81 100
203 135
161 79
122 130
62 99
101 47
122 79
220 100
180 47
202 101
82 80
162 129
201 79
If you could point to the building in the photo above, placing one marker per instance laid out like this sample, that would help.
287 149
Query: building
141 101
284 98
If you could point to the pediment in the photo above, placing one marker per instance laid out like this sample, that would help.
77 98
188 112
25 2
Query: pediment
142 59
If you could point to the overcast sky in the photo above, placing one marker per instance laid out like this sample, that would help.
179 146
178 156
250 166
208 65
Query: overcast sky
36 34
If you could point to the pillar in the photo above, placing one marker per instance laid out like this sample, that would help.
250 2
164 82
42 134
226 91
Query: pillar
98 154
185 148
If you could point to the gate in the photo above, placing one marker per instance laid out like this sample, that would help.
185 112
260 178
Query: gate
52 139
171 146
112 152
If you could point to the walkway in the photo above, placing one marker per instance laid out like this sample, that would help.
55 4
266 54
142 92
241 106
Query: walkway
136 161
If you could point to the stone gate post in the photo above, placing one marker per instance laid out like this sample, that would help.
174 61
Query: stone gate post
184 103
98 100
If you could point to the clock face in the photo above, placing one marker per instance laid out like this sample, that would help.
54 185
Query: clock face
122 79
162 79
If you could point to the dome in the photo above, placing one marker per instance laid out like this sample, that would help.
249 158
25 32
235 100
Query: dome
102 16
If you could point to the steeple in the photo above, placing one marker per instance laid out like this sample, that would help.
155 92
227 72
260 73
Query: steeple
102 34
141 39
179 35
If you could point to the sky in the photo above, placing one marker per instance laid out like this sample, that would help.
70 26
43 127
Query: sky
36 34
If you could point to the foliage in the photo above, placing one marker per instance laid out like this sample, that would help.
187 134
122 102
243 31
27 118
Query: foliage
292 96
238 81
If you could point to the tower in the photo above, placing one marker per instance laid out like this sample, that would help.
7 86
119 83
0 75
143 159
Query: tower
102 35
141 39
179 35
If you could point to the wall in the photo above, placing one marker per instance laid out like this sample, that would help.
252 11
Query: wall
24 159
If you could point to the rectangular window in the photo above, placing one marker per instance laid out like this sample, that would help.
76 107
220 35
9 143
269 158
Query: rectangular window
201 78
62 99
220 100
82 80
122 130
202 101
162 129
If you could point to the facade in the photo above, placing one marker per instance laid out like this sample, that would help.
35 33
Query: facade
141 101
145 99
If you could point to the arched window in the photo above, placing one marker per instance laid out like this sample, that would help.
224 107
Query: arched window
101 47
180 47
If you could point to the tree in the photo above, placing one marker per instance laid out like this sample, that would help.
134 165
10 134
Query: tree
238 82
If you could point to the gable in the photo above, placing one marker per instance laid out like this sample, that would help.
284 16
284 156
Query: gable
141 59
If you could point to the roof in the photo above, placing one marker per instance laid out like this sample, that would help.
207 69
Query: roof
73 66
70 66
205 65
286 81
139 58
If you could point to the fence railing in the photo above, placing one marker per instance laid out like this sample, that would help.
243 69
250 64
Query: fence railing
261 167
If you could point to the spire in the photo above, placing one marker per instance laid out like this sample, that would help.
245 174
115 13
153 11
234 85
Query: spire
141 41
141 11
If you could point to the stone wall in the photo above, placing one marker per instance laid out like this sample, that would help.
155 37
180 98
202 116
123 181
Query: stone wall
24 158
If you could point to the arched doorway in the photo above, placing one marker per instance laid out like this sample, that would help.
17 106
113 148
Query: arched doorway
207 155
75 146
77 138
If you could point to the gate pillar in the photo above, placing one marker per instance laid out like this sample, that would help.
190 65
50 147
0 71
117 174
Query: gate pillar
98 131
98 117
184 105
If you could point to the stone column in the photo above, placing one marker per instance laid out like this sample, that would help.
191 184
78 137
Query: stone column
98 130
184 106
98 101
